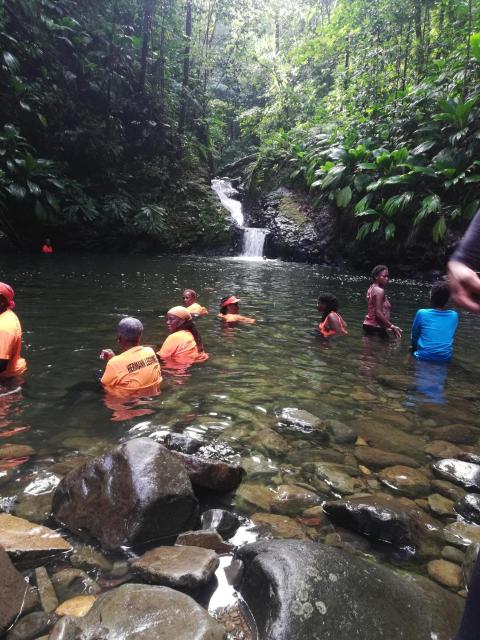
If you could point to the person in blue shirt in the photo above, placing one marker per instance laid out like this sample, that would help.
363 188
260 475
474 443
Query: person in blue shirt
433 329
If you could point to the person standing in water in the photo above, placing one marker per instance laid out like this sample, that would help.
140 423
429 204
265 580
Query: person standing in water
184 344
190 303
47 247
377 321
137 367
332 323
11 363
229 309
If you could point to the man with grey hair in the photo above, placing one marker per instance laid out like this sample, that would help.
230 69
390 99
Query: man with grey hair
137 367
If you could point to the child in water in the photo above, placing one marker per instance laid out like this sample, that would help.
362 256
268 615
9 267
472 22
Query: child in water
332 323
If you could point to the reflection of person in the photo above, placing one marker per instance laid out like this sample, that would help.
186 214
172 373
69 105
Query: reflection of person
377 320
47 247
190 303
430 379
184 343
464 282
137 367
229 309
332 323
433 329
11 364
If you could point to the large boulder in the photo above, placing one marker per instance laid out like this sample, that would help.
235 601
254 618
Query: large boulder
141 612
28 543
138 492
466 474
298 590
395 521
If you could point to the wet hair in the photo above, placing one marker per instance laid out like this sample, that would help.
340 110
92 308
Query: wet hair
439 293
376 271
189 325
223 310
330 302
130 329
191 292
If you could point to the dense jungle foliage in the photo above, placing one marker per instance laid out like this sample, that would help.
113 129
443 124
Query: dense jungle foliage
116 114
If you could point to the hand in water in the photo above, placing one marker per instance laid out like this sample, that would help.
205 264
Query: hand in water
397 332
106 354
464 285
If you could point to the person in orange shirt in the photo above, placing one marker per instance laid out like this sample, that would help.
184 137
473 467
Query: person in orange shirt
190 302
229 311
332 323
11 364
47 247
137 367
184 344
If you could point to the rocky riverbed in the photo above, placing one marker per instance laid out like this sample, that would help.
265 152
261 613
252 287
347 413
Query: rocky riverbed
323 528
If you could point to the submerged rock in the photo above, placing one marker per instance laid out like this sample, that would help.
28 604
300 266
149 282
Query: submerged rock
467 474
389 438
69 583
469 507
445 573
16 595
298 590
182 567
33 625
16 451
456 433
211 474
183 442
205 539
396 521
135 493
410 482
301 420
78 606
292 499
447 489
29 543
341 480
225 522
462 534
340 433
453 554
440 505
46 592
86 557
440 449
378 459
253 496
141 612
278 526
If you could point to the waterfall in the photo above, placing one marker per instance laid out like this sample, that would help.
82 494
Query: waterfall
253 238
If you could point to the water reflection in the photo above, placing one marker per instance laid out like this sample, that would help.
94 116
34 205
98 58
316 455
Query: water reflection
430 379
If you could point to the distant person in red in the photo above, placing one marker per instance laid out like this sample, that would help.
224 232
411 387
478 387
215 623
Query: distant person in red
47 247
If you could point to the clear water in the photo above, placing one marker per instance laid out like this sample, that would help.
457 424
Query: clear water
70 305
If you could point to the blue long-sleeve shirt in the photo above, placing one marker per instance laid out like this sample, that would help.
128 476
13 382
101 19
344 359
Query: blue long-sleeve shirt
432 334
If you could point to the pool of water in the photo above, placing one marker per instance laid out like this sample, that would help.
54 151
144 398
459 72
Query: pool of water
69 307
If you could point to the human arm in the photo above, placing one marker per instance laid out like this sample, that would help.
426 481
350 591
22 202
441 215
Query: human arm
416 330
106 354
5 349
379 299
464 282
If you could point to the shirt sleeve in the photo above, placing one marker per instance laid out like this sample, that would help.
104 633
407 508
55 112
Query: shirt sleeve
168 348
110 377
468 251
6 340
416 328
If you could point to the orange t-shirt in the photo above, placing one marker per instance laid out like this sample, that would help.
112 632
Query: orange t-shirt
197 309
328 332
134 369
235 317
181 346
11 344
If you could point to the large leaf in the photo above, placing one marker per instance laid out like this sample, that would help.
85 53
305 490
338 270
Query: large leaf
334 176
440 229
397 203
18 191
475 46
430 204
343 197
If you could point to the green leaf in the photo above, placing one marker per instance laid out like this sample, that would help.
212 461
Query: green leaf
343 197
33 188
18 191
397 203
367 165
362 204
397 179
389 231
10 61
475 46
364 230
367 212
472 179
423 147
430 204
440 229
333 177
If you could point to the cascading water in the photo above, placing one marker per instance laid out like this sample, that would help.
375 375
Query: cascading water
253 238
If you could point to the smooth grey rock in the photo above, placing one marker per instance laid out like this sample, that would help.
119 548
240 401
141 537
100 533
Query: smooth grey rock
138 492
69 583
341 480
181 567
214 475
462 534
456 433
301 420
225 522
453 554
340 433
46 592
32 626
141 612
466 474
182 442
16 596
305 590
395 521
378 459
469 507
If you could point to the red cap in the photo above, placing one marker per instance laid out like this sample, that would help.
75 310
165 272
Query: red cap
7 292
230 300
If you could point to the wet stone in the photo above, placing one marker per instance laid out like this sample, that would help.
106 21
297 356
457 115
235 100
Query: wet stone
469 562
16 451
466 474
445 573
440 505
448 490
453 554
34 508
211 474
292 499
182 442
462 534
278 526
410 482
185 568
224 522
340 433
440 449
341 480
16 597
378 459
253 496
469 507
161 614
32 626
29 543
78 606
204 539
87 557
69 583
46 591
456 433
269 442
301 420
389 438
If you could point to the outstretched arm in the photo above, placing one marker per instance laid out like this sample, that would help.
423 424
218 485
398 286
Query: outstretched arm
464 282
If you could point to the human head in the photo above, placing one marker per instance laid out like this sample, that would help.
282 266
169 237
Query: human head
6 297
439 294
48 241
380 274
327 302
177 317
229 304
189 297
129 332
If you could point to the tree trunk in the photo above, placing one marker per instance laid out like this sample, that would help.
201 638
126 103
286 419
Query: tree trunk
186 67
148 11
418 36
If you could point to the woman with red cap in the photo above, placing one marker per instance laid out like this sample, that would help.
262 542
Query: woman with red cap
184 344
229 311
11 364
